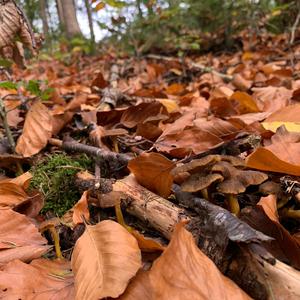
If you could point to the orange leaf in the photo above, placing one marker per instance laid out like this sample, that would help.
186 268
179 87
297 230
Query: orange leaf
43 279
183 272
36 132
81 209
282 155
153 171
19 238
269 205
104 260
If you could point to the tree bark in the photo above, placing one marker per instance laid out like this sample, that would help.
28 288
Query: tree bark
67 17
90 19
44 16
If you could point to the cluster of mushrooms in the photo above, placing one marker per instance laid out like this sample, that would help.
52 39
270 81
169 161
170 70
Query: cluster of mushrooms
217 173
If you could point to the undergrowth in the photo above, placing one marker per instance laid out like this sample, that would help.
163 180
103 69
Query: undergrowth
54 177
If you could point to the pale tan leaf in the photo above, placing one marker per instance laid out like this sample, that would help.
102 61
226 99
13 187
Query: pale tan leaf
19 238
183 272
36 132
43 279
105 258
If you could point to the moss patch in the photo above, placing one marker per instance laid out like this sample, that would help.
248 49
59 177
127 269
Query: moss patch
54 177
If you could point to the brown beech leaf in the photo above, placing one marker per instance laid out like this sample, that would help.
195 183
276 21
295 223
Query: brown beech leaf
81 209
284 246
36 132
188 141
11 194
142 113
19 238
104 260
147 244
272 98
282 155
218 127
22 180
269 205
153 171
183 272
43 279
243 103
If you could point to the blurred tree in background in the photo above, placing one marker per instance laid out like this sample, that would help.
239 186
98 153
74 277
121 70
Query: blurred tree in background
162 25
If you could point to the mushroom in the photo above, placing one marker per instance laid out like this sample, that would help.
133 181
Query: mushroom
235 182
200 182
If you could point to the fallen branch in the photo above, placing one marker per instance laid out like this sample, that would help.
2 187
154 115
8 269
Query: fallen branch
95 152
3 118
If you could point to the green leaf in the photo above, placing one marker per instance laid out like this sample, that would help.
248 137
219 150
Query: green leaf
5 63
46 94
115 3
33 87
9 85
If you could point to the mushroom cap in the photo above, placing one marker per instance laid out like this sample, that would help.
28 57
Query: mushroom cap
236 181
198 182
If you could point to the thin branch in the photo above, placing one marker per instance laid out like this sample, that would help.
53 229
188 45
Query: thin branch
92 151
3 117
294 28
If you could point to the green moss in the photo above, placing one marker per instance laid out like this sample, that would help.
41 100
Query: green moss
54 177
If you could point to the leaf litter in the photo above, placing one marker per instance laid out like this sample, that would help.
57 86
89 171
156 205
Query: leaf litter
186 161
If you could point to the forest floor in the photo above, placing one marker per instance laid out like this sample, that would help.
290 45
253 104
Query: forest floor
155 177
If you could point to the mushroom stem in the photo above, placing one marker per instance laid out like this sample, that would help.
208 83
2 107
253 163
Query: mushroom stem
291 213
233 204
204 193
120 218
55 237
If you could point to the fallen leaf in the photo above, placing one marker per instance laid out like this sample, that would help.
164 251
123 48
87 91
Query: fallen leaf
147 244
43 279
272 98
284 246
19 238
269 205
81 209
36 131
153 171
11 194
243 103
112 257
183 272
282 155
188 141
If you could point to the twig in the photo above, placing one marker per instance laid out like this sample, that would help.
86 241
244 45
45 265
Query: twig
193 65
92 151
293 30
3 117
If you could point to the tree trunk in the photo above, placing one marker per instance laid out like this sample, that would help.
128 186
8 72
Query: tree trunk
44 16
67 17
90 19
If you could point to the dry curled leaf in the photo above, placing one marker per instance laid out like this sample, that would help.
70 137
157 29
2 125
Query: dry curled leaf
112 257
36 132
13 26
183 272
